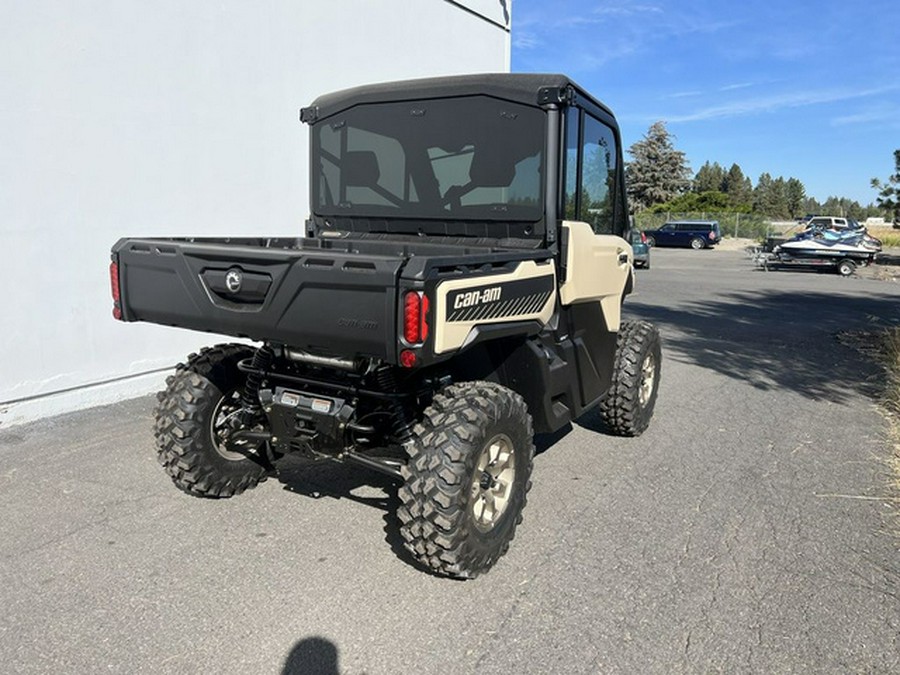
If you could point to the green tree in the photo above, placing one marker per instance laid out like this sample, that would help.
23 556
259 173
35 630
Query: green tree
691 202
709 178
738 187
795 195
889 192
763 196
658 172
841 206
812 206
779 199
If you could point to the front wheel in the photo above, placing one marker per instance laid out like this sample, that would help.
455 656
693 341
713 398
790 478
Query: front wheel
697 243
626 408
197 412
467 478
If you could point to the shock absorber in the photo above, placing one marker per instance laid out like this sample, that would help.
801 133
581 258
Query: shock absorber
401 420
262 359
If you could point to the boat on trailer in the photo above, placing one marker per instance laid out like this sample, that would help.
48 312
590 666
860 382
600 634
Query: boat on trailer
842 250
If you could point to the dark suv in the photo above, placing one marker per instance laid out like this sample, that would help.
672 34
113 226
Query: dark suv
694 233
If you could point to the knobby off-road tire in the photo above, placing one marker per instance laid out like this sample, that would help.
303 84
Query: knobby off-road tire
467 479
627 407
192 415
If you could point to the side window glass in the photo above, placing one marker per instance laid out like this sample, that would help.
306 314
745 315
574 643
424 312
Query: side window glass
598 172
570 212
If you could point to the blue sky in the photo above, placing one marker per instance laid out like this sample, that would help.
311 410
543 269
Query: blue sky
795 88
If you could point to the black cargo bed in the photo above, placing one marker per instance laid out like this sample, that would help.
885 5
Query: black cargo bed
294 291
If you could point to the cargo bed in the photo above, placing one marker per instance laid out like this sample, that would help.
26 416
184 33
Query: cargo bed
327 297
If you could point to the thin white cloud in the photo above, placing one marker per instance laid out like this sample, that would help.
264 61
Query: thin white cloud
603 14
733 87
769 104
525 40
875 115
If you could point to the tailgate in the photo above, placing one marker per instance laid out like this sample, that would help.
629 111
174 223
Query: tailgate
318 300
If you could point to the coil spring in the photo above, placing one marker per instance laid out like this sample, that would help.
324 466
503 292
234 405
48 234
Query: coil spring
262 359
401 421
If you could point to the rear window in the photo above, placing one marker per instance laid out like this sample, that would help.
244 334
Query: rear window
475 158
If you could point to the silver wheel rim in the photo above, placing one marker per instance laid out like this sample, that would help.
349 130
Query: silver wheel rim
224 421
697 244
492 483
648 377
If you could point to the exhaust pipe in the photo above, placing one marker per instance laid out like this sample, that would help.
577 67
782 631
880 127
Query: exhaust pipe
316 360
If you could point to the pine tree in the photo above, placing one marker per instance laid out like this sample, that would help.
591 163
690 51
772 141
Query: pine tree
889 192
779 198
796 195
709 178
658 172
762 195
738 187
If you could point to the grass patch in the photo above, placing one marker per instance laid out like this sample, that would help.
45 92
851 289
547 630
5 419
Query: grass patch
888 235
890 347
890 240
883 345
890 351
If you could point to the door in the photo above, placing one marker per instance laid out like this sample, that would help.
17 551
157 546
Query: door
598 267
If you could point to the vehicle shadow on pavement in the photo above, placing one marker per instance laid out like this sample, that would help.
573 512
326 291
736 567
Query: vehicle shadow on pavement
543 442
776 339
319 479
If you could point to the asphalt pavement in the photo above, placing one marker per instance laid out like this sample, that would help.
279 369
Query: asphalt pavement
748 530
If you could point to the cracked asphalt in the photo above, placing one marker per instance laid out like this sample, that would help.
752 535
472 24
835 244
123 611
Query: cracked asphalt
748 530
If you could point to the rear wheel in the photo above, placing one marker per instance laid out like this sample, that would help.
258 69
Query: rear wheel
197 412
627 407
697 243
651 241
846 267
467 478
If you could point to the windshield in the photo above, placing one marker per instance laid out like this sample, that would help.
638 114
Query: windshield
475 158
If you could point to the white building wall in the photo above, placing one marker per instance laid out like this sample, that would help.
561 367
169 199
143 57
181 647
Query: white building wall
171 118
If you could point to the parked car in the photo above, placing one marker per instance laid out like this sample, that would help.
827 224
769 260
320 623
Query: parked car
641 248
694 233
832 223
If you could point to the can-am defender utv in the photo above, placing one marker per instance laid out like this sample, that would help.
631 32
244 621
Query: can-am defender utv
458 289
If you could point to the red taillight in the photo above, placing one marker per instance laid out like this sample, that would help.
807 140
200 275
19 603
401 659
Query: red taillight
116 293
114 280
643 238
408 358
412 310
415 317
712 235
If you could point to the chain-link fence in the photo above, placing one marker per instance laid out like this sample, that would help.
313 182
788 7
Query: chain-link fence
747 225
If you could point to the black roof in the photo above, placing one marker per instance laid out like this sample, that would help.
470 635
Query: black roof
517 87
